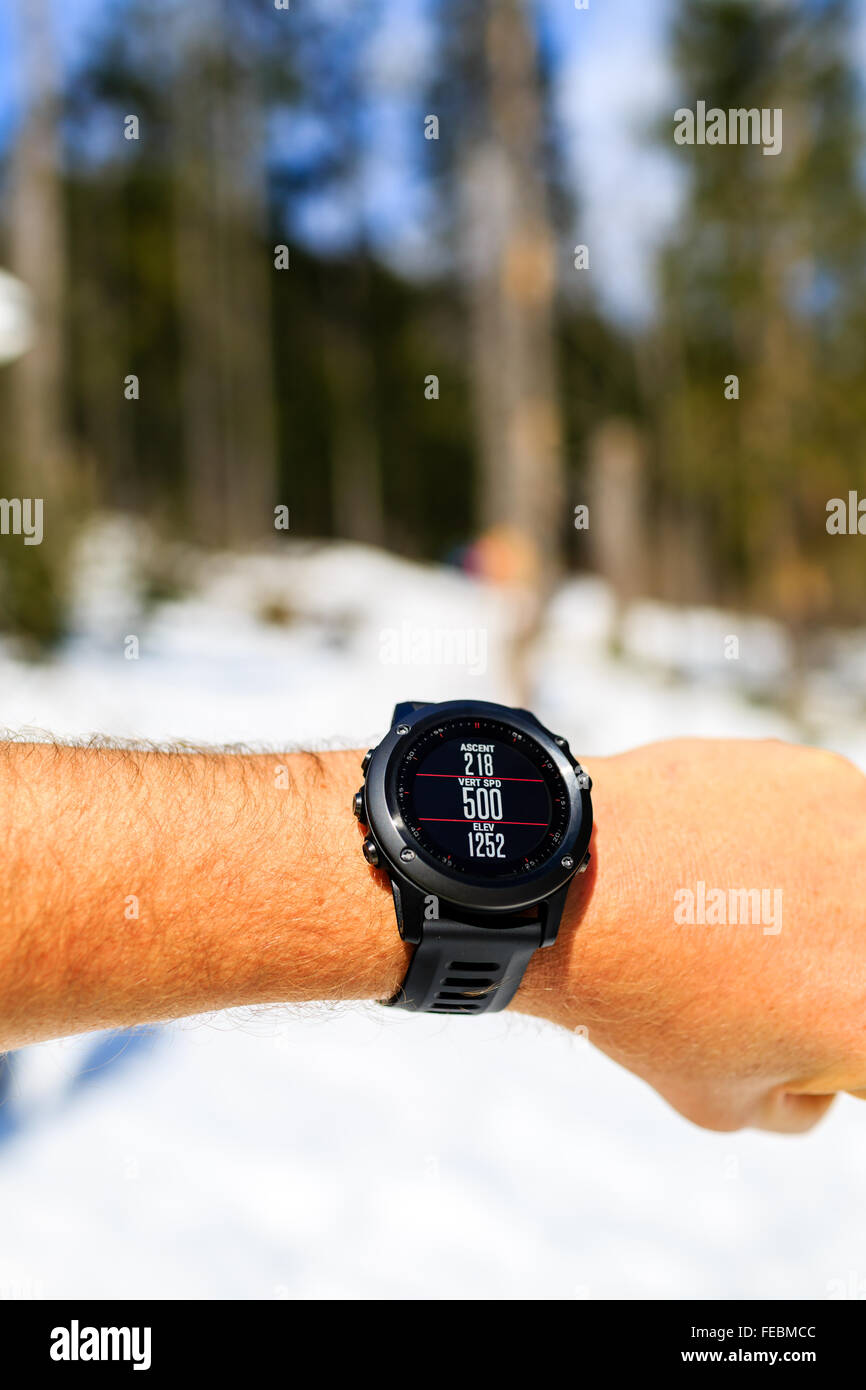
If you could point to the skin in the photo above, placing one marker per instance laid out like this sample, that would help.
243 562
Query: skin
142 886
732 1025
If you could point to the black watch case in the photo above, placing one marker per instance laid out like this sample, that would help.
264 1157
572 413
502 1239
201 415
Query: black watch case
417 880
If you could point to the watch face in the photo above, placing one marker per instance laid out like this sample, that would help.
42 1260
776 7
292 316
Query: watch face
482 798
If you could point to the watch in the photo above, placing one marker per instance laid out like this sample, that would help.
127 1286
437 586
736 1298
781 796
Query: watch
481 818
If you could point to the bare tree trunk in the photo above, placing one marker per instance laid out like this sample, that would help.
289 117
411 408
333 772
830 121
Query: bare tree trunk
511 269
356 485
37 246
38 455
617 500
223 265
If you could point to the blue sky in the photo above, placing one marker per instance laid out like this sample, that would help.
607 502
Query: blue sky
611 80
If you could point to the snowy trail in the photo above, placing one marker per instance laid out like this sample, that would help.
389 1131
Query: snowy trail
278 1154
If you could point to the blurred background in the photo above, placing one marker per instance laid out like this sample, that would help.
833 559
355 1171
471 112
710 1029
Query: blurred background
365 351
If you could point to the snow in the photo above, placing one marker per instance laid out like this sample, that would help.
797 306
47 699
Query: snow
355 1153
16 317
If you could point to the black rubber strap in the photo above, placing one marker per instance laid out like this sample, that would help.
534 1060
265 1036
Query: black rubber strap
464 969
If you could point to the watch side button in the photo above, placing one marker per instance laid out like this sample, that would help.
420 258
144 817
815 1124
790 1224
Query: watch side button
365 761
584 781
358 804
370 852
584 863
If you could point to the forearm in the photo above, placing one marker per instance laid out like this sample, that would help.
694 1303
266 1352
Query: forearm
138 886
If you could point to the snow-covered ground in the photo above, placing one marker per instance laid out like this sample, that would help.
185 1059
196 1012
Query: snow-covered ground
358 1153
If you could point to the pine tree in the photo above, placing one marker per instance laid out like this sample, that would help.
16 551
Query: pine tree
762 280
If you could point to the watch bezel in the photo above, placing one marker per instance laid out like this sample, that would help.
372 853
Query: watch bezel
424 873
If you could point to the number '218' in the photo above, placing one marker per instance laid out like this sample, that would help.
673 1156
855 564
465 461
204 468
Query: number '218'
484 761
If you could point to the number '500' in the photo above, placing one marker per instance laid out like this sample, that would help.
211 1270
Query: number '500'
482 803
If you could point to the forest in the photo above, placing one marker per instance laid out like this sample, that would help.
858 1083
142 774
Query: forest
225 323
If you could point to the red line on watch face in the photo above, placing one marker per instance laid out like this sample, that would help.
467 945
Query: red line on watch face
476 776
479 820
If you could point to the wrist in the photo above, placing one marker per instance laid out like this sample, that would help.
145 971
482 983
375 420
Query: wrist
356 951
574 982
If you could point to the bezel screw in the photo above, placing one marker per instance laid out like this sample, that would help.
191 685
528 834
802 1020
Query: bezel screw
402 729
407 855
567 861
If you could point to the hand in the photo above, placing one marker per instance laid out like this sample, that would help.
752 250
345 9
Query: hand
757 1023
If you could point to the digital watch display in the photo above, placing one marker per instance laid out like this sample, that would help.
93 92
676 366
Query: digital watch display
481 818
482 798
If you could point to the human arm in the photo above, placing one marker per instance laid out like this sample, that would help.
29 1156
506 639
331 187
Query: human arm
138 886
246 876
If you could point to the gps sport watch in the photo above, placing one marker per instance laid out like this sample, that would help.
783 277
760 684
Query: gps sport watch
481 817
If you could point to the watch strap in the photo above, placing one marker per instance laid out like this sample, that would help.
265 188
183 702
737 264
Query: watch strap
461 968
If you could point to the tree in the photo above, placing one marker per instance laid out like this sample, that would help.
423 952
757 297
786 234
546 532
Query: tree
762 281
495 123
223 290
39 464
